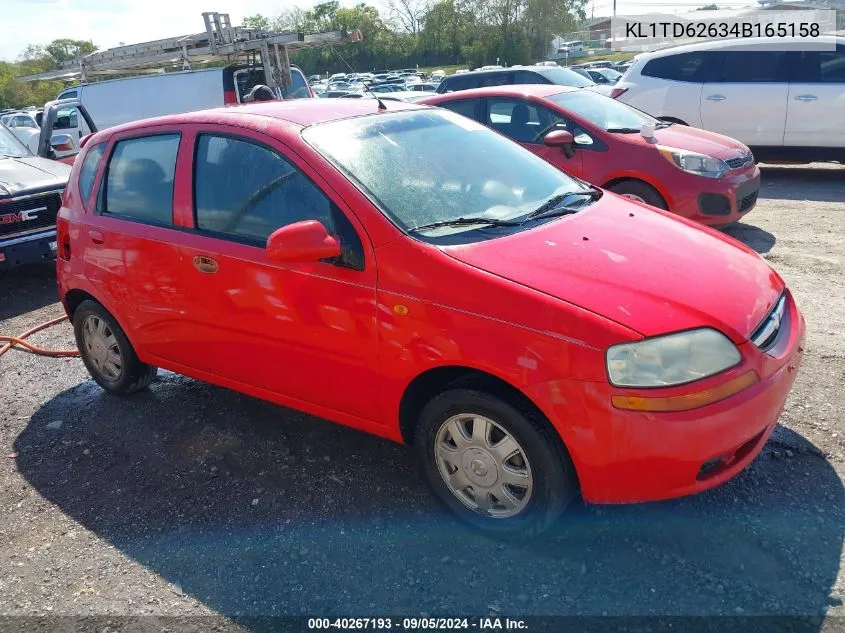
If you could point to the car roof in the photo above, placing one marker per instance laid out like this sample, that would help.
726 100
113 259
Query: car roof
741 42
512 90
296 112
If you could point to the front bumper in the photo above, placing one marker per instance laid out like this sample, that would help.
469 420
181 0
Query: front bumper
629 456
27 249
723 201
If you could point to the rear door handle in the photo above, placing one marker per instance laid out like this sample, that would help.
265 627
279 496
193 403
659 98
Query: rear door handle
716 98
806 98
96 237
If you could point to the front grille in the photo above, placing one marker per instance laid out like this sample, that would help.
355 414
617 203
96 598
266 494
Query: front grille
748 201
736 163
767 332
39 212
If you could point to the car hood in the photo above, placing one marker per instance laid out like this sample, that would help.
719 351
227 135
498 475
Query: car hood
639 267
696 140
19 176
602 90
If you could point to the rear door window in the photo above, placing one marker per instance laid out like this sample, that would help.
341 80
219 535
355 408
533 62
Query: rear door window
139 180
744 66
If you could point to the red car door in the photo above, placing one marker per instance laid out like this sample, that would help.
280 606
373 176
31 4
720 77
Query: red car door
527 122
132 254
305 332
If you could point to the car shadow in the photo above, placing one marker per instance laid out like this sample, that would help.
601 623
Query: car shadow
257 510
27 288
822 184
752 236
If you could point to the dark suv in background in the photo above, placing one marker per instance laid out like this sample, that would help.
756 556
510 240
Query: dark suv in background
518 75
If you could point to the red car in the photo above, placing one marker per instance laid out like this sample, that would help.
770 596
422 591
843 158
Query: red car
533 336
697 174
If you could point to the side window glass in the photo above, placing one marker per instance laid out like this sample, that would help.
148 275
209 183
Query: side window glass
755 67
832 66
139 180
89 170
522 121
247 191
298 88
466 108
698 66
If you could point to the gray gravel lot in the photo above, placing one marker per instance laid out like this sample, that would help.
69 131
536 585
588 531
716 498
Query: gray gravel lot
191 499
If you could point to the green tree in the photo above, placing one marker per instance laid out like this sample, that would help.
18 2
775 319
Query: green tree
64 49
257 21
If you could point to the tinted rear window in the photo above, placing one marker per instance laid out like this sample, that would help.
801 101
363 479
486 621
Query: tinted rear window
699 66
564 77
740 66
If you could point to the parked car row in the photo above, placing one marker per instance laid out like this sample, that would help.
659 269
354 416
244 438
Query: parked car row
571 247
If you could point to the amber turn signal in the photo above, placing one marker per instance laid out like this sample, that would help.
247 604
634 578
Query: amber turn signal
690 400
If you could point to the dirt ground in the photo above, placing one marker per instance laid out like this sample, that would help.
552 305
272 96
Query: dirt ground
190 499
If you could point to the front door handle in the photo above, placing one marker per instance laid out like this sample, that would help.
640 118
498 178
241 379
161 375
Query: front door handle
716 98
806 98
96 237
206 264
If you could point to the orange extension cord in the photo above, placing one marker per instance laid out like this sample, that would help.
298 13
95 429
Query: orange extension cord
11 341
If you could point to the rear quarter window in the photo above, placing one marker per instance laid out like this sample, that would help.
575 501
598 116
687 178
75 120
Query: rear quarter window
89 170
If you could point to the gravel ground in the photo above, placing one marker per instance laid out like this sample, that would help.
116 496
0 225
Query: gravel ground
191 499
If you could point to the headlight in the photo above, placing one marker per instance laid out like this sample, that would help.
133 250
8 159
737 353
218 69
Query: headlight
673 359
697 164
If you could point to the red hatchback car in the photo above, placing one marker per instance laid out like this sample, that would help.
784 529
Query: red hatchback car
697 174
531 335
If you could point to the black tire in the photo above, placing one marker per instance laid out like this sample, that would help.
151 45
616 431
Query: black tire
554 481
134 375
641 190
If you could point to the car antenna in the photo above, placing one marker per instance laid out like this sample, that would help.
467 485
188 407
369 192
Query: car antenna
381 105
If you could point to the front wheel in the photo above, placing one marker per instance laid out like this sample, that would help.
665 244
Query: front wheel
640 192
497 467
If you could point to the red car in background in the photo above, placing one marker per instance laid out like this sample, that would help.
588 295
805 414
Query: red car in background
532 336
696 174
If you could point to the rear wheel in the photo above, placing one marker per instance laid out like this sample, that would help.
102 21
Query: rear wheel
497 467
641 192
109 357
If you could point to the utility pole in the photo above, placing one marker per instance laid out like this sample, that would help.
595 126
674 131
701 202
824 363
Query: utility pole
612 27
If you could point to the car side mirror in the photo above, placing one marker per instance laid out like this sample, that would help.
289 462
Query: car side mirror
62 143
306 241
561 138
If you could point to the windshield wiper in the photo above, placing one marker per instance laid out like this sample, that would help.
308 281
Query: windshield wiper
464 222
623 130
552 207
663 124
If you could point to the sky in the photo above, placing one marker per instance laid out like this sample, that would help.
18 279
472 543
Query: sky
109 22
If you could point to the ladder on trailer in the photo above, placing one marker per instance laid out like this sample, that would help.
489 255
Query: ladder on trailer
220 41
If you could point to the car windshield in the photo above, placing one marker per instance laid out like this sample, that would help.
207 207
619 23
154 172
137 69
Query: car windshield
604 112
10 146
565 77
399 160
